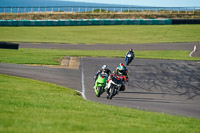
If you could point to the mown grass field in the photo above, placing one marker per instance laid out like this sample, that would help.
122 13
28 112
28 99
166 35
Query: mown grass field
121 34
32 106
53 56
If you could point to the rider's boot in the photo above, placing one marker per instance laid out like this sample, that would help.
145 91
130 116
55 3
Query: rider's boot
122 88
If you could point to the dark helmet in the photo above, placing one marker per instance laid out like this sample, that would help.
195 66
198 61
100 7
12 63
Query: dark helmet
130 50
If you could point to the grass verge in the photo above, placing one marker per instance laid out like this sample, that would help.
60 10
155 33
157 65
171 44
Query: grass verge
119 34
33 106
53 56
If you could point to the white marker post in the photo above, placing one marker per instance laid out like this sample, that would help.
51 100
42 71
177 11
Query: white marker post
194 50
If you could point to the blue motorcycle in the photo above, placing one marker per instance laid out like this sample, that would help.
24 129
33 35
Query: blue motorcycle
128 58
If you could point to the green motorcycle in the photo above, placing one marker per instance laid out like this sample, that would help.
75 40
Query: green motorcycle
100 84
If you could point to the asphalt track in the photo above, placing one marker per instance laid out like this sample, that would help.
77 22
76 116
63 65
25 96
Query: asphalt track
167 86
156 46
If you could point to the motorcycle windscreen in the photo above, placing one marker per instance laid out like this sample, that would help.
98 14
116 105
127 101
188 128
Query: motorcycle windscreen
117 80
102 79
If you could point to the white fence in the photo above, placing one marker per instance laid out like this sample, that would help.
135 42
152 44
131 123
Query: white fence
102 10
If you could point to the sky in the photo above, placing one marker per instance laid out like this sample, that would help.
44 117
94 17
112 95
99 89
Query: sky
157 3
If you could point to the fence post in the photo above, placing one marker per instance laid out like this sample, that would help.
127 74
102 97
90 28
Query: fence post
157 10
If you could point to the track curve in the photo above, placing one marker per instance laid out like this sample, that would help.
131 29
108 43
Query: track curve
155 85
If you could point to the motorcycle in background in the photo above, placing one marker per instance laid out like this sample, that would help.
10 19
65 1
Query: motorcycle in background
129 58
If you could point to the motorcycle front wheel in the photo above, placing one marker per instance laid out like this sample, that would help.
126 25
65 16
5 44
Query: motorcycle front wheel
99 91
112 91
108 93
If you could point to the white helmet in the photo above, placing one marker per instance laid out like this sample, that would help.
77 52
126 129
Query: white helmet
104 67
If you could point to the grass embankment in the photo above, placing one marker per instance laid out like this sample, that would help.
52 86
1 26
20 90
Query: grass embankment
53 56
126 34
32 106
104 14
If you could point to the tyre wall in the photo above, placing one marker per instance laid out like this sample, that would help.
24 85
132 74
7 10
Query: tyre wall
185 21
83 22
8 45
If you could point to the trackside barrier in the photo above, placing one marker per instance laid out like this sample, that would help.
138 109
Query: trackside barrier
185 21
8 45
83 22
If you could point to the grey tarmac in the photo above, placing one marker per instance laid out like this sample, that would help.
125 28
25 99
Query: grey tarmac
168 86
155 46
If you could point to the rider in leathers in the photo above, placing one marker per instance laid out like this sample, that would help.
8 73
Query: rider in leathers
104 69
131 52
121 72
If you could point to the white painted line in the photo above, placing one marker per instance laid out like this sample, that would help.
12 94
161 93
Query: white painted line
79 92
83 84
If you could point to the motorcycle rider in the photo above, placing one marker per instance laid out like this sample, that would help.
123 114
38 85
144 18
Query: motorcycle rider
131 52
104 69
122 70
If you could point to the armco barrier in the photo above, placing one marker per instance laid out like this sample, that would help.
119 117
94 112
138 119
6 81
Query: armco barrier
82 22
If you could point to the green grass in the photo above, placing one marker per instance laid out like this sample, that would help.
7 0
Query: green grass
32 106
53 56
126 34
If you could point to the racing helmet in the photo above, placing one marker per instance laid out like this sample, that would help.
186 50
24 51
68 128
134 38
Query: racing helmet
104 68
120 69
130 50
121 64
